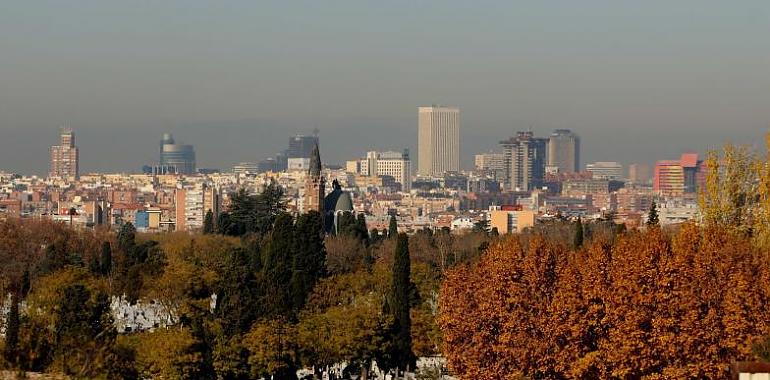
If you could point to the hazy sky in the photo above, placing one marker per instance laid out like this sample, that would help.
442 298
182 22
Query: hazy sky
638 80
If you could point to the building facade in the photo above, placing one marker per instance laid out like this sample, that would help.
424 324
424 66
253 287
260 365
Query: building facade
193 204
525 157
678 177
177 156
563 151
65 157
301 146
394 164
438 140
606 170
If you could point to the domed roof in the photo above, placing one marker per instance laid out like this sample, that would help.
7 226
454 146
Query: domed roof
344 202
338 200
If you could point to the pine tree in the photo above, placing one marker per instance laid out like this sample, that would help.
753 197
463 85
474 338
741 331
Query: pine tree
208 223
652 217
105 262
393 227
10 351
400 304
578 240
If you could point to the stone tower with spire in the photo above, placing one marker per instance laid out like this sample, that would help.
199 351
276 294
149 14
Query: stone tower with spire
315 184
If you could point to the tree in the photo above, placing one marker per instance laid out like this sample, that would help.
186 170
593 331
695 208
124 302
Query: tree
127 239
309 259
237 297
393 227
277 267
272 350
11 347
652 216
613 309
400 304
105 261
208 223
578 239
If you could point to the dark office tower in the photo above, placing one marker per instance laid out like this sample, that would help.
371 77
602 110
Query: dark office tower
177 156
525 157
301 146
564 151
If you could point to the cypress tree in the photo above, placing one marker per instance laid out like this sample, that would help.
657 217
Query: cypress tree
361 231
400 304
237 297
310 257
105 262
127 239
652 216
208 223
393 227
12 332
26 284
578 242
277 266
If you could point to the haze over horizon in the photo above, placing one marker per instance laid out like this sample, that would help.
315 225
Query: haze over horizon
638 81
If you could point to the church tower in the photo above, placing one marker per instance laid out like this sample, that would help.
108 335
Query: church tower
315 184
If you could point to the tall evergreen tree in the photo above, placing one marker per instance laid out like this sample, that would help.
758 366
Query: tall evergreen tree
105 261
578 240
277 267
224 225
10 350
361 231
237 298
127 239
208 223
652 216
26 284
393 227
400 304
310 257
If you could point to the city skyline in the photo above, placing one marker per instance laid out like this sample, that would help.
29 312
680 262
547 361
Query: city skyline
636 82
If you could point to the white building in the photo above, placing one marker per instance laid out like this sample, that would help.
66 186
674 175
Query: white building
438 140
390 163
488 162
606 170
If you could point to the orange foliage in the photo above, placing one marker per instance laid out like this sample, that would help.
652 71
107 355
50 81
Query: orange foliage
647 306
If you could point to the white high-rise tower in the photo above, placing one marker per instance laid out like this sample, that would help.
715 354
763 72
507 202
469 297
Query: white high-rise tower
438 140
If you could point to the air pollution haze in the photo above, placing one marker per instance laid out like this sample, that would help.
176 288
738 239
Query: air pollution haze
639 81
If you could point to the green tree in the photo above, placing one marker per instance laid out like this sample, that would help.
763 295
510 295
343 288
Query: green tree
277 267
309 259
578 239
237 298
401 298
393 227
652 217
208 223
127 239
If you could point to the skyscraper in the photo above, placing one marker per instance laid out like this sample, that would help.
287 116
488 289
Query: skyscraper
65 157
179 157
525 157
564 151
438 140
301 146
679 177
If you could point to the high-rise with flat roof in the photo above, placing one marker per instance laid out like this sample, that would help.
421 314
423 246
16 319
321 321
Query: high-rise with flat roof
606 170
438 140
564 151
301 146
65 157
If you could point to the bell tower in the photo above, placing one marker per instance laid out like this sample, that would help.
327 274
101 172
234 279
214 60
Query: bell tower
315 184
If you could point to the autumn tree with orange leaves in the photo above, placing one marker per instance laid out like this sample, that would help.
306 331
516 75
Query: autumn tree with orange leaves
646 306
